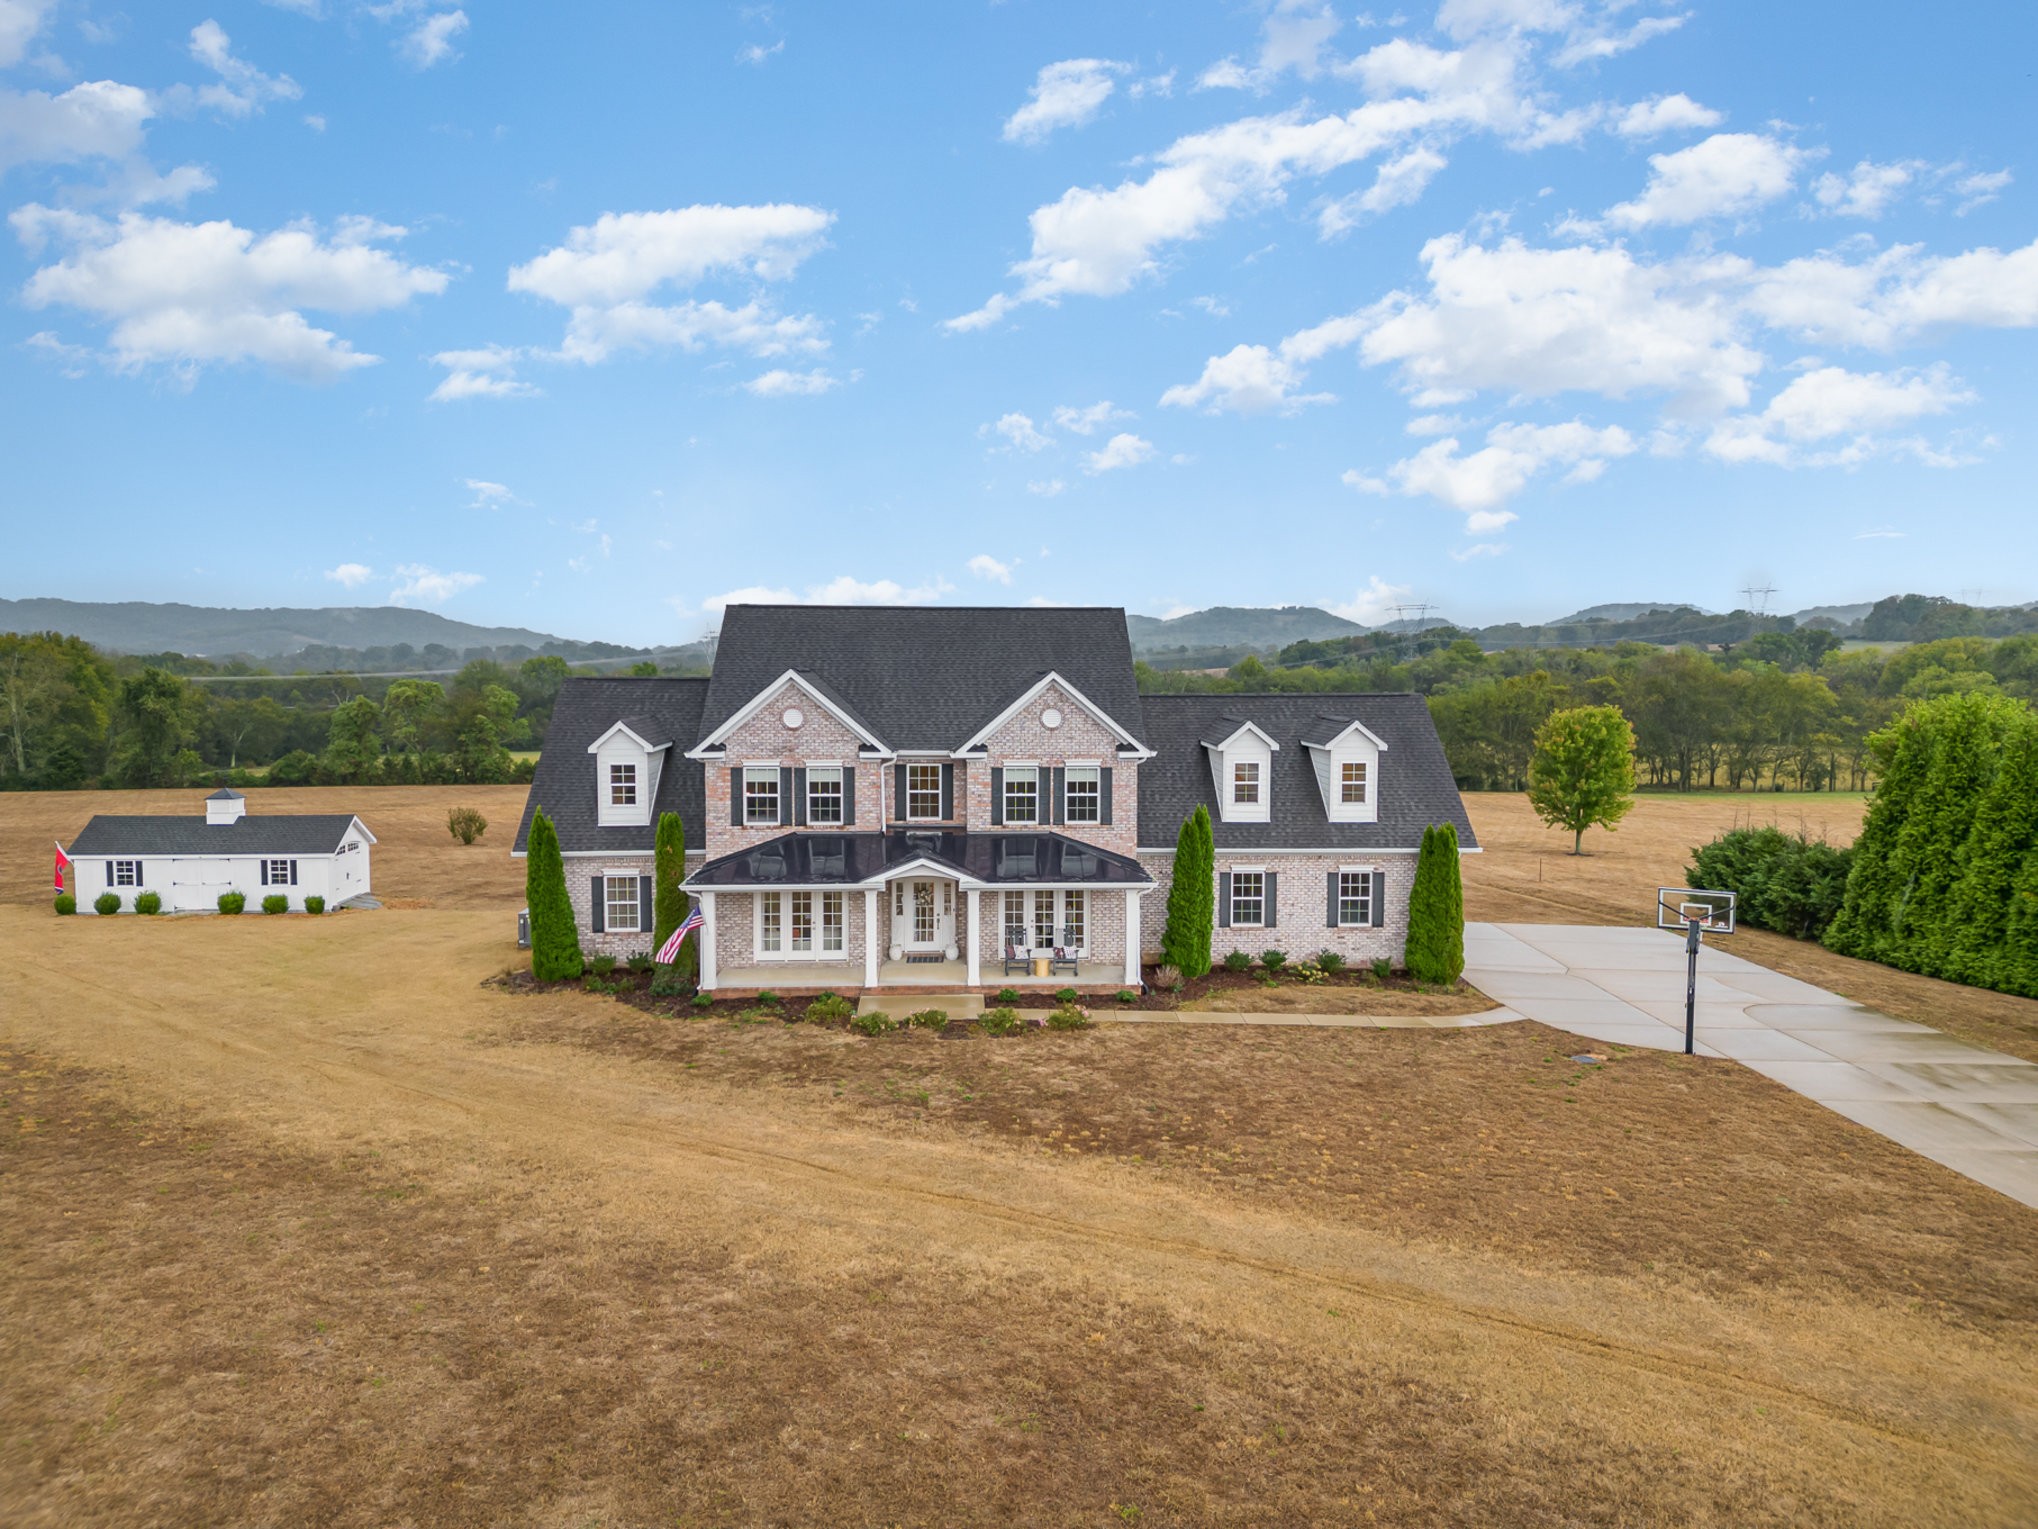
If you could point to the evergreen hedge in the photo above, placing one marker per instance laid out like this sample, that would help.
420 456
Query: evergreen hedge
1436 910
555 943
1192 898
1785 882
669 903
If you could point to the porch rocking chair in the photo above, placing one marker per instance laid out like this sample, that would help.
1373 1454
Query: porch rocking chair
1066 954
1017 956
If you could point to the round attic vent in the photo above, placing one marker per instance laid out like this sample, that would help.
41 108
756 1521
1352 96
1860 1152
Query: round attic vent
794 718
1050 719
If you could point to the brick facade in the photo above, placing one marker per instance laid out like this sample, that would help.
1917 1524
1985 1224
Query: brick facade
763 737
1080 736
1301 909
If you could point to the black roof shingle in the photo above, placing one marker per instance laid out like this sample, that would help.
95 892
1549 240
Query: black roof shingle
303 833
658 711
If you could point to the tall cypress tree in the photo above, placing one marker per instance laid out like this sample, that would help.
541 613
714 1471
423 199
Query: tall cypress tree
669 902
1206 888
1185 940
555 943
1436 910
1979 938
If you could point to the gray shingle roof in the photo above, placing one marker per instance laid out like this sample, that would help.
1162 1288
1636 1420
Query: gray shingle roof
313 833
225 794
1416 788
925 677
564 784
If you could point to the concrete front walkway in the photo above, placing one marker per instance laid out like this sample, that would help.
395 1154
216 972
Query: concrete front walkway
1975 1111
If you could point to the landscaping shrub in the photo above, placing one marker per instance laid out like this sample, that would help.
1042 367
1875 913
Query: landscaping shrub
1168 978
873 1023
66 903
601 966
465 824
1273 960
928 1019
1069 1017
640 963
1382 968
1330 961
314 905
769 998
1785 882
555 943
1436 909
1065 995
829 1009
232 902
669 903
106 902
664 985
702 1000
1127 996
276 902
1192 897
148 902
1007 996
998 1021
1237 961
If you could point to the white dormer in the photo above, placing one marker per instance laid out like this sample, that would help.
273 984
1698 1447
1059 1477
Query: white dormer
628 759
1346 757
1242 771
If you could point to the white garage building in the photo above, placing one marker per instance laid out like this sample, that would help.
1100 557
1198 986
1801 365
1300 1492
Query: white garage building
189 861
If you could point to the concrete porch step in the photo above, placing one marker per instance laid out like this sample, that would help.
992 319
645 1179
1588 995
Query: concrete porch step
898 1004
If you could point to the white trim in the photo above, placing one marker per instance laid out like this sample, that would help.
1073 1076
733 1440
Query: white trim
1266 849
705 942
1338 737
1246 727
1372 913
710 746
1031 693
631 734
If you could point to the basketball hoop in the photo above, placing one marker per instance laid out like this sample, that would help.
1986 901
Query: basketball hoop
1696 911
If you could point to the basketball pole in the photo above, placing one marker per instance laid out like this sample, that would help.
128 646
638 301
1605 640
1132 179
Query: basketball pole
1691 941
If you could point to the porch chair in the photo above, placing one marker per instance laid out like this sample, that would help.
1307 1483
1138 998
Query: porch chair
1018 957
1066 954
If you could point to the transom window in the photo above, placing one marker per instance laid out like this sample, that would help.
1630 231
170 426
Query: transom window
1022 794
622 785
923 791
1355 897
127 873
1245 782
800 926
824 793
619 899
1248 898
1352 783
760 794
1082 794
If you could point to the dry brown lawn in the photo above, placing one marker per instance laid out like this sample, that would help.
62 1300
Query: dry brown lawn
305 1224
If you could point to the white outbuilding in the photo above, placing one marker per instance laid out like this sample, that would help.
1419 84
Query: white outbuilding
189 862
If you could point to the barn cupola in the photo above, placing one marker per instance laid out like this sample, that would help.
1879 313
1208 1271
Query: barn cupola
225 806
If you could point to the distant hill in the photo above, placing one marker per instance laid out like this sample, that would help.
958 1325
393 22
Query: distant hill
1231 626
1626 612
1835 617
212 632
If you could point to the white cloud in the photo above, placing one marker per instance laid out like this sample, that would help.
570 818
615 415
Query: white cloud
430 42
1478 484
1433 424
1477 550
1018 431
1591 43
1089 421
191 294
1725 175
1067 94
243 89
1882 535
594 334
352 575
421 585
20 20
1374 604
311 8
1047 488
100 119
1398 182
1832 402
1868 191
1980 189
843 590
984 566
1122 450
756 54
1894 294
489 496
1249 379
1665 114
1292 37
488 371
780 383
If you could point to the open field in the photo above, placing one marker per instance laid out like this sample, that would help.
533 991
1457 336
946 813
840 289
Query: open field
307 1225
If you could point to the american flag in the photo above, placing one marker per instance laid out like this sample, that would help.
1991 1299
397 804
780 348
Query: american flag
669 951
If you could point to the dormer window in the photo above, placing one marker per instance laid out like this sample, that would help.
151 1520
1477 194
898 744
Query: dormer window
1245 783
1352 782
622 785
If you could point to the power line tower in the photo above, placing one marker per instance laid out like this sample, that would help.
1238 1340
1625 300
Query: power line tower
1758 598
1410 612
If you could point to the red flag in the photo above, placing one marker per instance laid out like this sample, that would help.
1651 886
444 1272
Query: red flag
63 865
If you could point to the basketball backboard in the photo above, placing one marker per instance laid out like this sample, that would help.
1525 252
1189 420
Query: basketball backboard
1678 907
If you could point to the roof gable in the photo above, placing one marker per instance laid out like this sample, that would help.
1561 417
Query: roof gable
1049 681
587 709
808 685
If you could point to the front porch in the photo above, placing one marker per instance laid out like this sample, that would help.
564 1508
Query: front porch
847 978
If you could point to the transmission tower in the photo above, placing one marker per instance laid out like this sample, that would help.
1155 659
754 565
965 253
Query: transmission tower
1411 612
1758 598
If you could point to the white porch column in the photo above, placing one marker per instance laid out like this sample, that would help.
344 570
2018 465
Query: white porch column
976 934
870 950
1132 937
707 939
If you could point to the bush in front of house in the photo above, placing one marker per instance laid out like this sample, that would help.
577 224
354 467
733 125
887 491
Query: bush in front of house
701 1001
1065 995
66 903
601 966
1127 996
1436 910
1381 968
106 902
314 905
465 824
1007 996
873 1023
1330 962
1786 882
555 942
232 902
148 902
665 985
829 1009
999 1021
1237 961
1192 897
1168 978
276 902
928 1019
1069 1016
1273 960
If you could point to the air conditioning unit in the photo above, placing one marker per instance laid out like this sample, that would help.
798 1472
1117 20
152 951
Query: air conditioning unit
523 929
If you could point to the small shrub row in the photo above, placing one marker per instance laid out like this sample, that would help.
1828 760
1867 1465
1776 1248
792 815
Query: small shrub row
1003 1020
276 902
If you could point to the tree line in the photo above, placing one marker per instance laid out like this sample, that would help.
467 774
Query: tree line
1785 710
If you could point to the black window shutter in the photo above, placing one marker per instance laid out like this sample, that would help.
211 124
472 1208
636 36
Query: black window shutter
1330 898
600 906
785 796
848 795
1059 786
1379 899
293 873
1104 796
646 918
997 796
1271 917
109 873
799 796
265 873
899 793
1224 900
947 792
736 797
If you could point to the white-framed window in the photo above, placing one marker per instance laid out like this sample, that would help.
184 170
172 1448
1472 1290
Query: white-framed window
1015 917
923 792
834 938
1248 899
800 926
1354 899
771 923
1245 783
620 911
622 785
277 873
127 873
1044 931
760 795
1352 783
1074 923
1022 794
824 793
1082 794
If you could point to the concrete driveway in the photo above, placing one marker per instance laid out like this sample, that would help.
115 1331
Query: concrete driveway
1975 1111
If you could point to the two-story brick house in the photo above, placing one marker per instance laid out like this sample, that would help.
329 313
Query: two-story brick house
880 797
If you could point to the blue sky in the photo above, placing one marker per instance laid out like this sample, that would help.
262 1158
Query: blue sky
589 319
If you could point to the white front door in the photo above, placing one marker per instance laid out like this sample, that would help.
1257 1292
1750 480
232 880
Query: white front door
923 914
